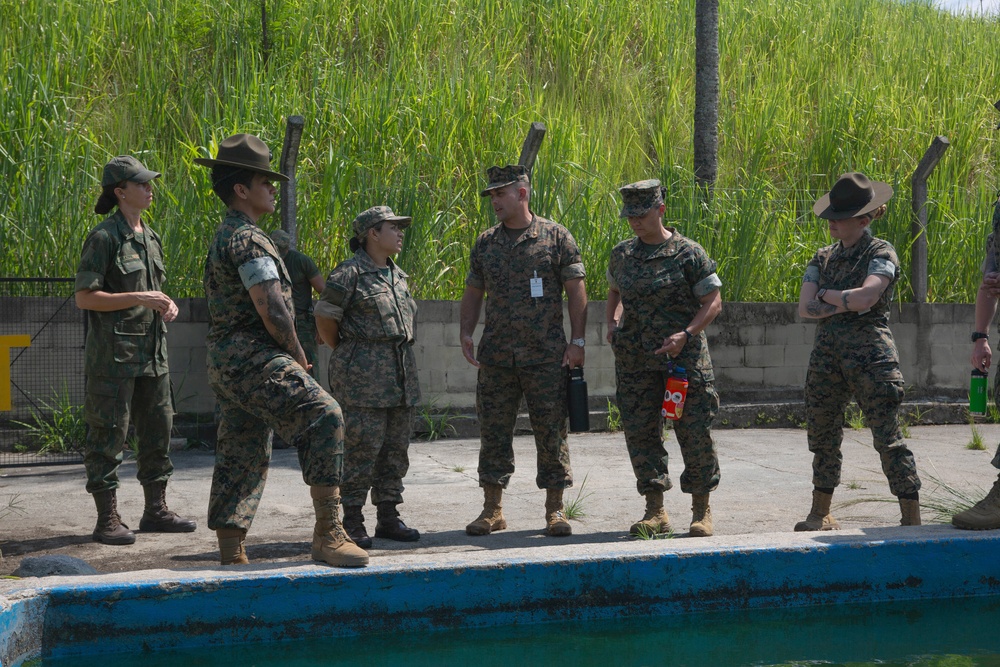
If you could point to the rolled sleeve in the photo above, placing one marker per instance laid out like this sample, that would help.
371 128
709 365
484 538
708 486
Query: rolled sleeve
89 280
880 266
811 275
707 285
328 310
612 283
257 271
990 260
571 272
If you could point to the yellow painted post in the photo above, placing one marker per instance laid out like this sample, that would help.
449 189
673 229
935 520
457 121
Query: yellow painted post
7 342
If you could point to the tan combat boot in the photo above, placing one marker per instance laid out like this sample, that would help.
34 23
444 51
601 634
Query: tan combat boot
984 515
819 515
231 550
701 516
556 524
110 529
331 544
910 510
491 518
655 521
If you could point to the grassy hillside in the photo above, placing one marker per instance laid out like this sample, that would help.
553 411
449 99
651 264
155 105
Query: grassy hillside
407 101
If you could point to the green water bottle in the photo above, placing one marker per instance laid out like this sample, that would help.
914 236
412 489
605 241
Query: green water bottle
977 392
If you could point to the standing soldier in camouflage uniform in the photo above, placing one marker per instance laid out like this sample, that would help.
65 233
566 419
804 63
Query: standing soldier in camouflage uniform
118 283
523 263
258 370
365 315
985 515
848 287
306 277
662 293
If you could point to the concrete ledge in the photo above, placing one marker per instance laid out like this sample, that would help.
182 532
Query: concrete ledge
160 609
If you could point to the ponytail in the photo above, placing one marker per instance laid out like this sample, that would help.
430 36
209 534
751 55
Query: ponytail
108 199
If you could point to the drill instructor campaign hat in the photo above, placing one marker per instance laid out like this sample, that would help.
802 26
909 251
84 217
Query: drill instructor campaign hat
851 196
639 197
126 168
371 217
503 176
246 152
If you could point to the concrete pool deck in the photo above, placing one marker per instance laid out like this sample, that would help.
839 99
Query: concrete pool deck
765 488
448 579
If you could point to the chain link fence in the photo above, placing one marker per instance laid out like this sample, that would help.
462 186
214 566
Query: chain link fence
42 335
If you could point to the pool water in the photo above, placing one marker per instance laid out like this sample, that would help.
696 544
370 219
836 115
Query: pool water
931 633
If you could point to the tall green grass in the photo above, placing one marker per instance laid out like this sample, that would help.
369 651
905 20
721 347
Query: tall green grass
407 102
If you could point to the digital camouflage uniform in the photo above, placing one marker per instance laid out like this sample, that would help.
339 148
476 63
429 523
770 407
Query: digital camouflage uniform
301 269
259 386
125 356
522 347
854 354
661 289
991 263
373 374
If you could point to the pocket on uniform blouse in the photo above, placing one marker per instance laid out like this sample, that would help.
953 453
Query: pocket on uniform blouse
380 304
133 273
129 338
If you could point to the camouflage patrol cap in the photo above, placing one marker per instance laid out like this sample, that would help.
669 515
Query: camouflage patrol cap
282 240
639 197
372 217
502 176
126 168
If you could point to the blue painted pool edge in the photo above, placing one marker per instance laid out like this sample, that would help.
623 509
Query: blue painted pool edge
637 579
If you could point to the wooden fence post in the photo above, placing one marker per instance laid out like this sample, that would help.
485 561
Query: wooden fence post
918 182
289 159
532 142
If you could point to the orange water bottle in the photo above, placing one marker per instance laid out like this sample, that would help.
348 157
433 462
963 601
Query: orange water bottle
676 393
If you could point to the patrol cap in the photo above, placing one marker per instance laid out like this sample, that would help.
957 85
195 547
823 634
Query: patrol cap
639 197
499 177
282 240
126 168
244 151
372 217
853 195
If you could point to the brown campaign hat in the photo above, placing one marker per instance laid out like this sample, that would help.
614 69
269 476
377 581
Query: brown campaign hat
376 214
126 168
851 196
246 152
502 176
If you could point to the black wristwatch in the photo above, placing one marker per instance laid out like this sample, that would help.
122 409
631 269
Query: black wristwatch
819 294
976 335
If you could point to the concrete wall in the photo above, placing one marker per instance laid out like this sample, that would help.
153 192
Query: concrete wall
760 352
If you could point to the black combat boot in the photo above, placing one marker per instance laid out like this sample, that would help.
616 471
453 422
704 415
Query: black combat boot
391 527
157 517
354 524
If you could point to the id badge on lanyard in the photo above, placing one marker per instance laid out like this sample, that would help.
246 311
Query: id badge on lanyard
536 286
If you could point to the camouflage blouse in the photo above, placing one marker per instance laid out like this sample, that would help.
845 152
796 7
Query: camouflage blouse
661 291
524 324
374 365
130 342
238 342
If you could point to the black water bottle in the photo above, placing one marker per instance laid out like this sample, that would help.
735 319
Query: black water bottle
576 396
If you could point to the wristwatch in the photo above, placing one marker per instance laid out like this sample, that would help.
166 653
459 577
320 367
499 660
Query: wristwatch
976 335
819 294
579 342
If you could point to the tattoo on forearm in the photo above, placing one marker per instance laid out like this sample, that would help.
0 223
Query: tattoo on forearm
818 308
281 319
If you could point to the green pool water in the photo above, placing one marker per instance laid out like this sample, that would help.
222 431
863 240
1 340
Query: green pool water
938 633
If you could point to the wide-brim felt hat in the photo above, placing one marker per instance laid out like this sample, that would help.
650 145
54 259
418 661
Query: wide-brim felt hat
851 196
371 217
500 177
246 152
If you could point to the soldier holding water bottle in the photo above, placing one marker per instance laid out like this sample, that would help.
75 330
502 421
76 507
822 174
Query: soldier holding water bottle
662 293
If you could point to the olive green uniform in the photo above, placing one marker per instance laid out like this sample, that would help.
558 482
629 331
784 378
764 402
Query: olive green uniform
125 356
522 346
661 289
259 386
301 269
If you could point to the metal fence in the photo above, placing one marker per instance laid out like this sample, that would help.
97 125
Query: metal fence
42 335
